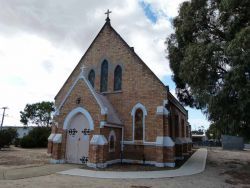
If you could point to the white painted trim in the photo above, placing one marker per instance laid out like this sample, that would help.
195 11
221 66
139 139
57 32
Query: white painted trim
165 164
51 136
97 165
165 102
142 107
103 165
180 141
104 110
55 161
144 110
132 161
143 143
76 111
98 139
114 126
102 124
179 158
164 141
57 139
161 110
112 133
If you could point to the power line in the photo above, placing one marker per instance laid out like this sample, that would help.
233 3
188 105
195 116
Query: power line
4 108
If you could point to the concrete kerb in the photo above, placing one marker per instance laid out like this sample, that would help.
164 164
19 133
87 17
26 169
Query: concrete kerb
194 165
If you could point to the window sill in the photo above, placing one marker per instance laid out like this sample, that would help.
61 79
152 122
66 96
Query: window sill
111 92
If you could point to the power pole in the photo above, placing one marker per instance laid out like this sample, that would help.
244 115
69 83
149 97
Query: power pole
4 108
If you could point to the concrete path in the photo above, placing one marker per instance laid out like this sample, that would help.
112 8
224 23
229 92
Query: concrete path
194 165
34 171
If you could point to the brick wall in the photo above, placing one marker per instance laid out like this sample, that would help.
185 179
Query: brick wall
139 85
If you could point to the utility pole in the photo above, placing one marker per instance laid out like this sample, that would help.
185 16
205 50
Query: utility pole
4 108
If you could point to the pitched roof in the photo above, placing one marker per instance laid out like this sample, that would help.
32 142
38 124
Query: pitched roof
112 116
105 106
107 24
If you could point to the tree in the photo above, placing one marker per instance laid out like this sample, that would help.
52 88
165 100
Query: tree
38 113
37 138
7 136
209 55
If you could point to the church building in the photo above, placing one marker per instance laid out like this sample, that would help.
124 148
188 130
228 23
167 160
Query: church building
113 109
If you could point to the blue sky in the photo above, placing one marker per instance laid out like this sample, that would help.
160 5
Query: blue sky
149 11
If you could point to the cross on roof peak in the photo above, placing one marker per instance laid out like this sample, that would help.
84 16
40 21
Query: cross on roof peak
108 12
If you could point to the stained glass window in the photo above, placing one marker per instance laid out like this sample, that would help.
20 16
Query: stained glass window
104 76
139 124
118 78
91 77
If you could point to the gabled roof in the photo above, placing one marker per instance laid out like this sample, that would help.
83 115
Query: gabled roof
112 116
105 107
107 24
83 57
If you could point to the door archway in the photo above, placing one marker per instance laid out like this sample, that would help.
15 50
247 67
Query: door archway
78 125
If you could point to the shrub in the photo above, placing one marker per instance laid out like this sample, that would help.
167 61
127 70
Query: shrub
17 142
7 136
37 138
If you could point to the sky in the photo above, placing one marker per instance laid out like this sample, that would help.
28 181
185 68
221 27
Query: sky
42 41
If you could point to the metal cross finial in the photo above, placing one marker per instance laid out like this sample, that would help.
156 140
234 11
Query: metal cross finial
108 12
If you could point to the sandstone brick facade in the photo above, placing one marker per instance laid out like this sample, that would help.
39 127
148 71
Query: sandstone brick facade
114 112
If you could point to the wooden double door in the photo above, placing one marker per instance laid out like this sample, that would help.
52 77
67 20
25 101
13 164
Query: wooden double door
77 143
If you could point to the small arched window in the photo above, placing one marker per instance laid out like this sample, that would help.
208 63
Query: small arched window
138 124
91 77
118 78
112 144
104 76
112 140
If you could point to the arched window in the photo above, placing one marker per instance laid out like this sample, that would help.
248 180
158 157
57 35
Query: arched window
112 140
177 126
118 78
182 128
138 124
139 113
91 77
104 76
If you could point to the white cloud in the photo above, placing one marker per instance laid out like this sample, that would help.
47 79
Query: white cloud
42 41
198 122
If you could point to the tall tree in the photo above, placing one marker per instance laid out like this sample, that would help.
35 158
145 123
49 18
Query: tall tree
210 57
38 113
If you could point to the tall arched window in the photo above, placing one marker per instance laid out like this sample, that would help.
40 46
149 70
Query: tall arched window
138 124
182 128
118 78
104 76
91 77
177 126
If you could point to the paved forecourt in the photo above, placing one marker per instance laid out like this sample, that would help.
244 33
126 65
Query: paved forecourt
194 165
